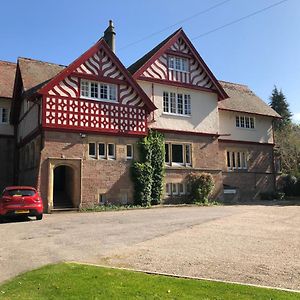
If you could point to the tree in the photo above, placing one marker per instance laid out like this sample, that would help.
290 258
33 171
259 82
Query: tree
280 105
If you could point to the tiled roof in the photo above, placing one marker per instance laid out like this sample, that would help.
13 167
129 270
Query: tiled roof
139 63
7 78
35 73
242 99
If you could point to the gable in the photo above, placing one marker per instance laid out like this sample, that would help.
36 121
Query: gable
176 61
98 64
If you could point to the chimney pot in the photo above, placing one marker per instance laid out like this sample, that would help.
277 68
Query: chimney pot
109 36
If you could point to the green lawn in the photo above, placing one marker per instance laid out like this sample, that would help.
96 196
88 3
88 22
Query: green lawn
73 281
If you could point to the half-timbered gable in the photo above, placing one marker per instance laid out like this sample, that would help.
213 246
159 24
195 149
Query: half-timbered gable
96 93
176 62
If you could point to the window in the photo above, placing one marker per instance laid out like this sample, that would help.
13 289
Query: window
111 151
92 149
101 150
236 160
102 198
179 104
244 122
175 189
177 63
3 115
98 91
129 151
178 154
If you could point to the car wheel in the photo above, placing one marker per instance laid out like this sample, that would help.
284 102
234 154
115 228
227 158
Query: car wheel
39 217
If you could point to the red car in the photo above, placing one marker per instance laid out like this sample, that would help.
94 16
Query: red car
21 200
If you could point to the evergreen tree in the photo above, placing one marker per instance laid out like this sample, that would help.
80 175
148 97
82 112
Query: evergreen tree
279 104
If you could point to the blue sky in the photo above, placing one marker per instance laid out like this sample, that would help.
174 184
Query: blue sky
260 51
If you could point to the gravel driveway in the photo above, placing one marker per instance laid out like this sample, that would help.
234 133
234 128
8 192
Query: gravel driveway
250 244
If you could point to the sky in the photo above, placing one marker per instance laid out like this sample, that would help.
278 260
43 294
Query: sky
260 51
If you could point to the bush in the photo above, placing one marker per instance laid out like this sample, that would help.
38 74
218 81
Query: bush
142 179
290 185
201 185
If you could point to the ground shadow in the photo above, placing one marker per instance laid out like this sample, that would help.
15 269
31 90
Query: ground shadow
16 219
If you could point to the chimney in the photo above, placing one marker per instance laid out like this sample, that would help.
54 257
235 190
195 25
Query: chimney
109 36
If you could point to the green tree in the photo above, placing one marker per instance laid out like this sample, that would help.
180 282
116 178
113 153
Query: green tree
279 103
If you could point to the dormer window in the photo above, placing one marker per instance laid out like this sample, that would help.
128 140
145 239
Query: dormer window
98 91
244 122
178 64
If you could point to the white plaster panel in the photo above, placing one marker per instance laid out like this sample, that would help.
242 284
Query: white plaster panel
204 117
262 132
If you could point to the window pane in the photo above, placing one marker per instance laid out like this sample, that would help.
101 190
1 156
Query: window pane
173 103
233 159
103 92
111 150
112 93
187 104
237 121
251 122
179 104
242 119
92 149
228 159
168 189
180 188
177 153
177 63
187 154
166 102
4 115
84 88
184 65
239 160
247 122
244 160
171 62
129 151
174 189
167 157
101 150
94 90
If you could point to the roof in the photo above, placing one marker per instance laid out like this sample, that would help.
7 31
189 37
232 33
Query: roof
35 72
139 63
7 78
137 68
242 99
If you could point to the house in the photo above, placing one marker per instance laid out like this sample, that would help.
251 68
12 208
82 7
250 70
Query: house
76 127
7 148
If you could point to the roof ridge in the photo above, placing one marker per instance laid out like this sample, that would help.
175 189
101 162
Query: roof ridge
41 61
8 62
241 84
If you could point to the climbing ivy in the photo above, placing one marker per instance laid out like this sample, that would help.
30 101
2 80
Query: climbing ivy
148 174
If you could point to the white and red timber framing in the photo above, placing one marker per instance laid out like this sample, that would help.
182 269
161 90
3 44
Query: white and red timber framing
76 127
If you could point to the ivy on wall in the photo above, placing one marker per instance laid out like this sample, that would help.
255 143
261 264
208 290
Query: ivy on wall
148 174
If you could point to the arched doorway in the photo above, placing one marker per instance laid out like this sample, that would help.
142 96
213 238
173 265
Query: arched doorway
63 187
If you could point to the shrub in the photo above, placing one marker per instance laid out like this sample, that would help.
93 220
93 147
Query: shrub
201 186
289 185
142 179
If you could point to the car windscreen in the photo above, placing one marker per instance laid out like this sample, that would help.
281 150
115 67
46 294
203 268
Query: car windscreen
21 192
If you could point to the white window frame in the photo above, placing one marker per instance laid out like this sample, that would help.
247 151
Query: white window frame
241 122
183 63
113 156
2 109
176 189
86 91
129 157
234 163
185 147
102 156
172 106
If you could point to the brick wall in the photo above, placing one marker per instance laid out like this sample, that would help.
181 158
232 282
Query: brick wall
260 175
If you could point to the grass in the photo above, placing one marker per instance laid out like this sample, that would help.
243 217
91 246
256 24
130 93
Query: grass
74 281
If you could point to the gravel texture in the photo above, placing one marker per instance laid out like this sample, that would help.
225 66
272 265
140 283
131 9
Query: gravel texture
258 244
